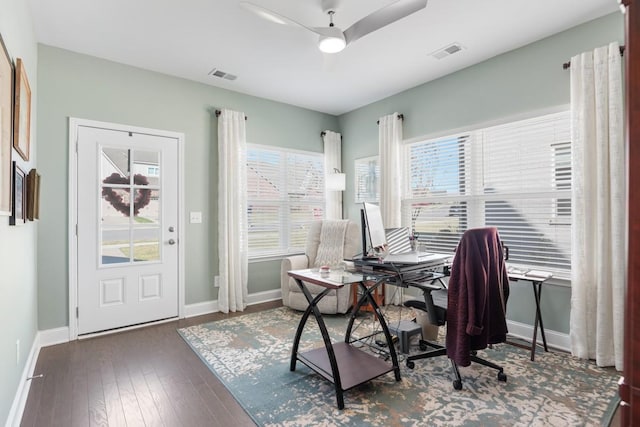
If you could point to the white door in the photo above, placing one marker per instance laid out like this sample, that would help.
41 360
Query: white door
127 201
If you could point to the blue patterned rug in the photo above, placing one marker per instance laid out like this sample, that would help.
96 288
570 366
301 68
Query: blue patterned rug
250 354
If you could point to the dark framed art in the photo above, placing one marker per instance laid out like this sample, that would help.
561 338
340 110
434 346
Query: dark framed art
6 128
18 210
22 112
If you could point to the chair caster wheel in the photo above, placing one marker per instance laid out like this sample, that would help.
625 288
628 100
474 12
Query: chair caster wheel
410 364
502 377
457 384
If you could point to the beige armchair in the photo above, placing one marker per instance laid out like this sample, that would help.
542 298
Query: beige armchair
336 301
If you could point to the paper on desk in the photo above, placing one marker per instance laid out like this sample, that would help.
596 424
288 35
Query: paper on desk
538 273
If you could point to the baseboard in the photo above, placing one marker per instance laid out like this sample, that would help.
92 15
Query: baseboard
198 309
523 331
54 336
208 307
266 296
20 400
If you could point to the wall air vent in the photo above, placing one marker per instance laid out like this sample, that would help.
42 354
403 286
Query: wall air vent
222 74
447 51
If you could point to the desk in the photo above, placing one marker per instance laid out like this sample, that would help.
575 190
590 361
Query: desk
536 283
341 363
378 295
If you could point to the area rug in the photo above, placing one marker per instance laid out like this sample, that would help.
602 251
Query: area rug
250 354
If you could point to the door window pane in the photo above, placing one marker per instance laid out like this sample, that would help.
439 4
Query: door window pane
114 164
146 244
147 164
146 206
115 246
115 206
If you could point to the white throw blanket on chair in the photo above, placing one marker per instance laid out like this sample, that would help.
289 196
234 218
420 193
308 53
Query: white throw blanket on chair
330 249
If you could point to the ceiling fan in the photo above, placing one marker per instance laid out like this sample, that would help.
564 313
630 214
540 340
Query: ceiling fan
333 39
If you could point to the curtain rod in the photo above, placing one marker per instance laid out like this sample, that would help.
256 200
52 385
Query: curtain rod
218 112
400 117
323 133
567 65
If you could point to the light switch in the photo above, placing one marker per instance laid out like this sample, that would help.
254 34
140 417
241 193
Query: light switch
195 217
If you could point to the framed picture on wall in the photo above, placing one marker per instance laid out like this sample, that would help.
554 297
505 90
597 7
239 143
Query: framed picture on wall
19 204
6 128
22 117
367 176
33 195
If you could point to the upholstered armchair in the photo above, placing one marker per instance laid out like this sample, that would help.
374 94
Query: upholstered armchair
319 245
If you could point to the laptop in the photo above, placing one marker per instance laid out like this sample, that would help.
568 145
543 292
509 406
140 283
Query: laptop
414 257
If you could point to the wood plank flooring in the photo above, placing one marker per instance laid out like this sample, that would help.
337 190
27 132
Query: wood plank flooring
144 377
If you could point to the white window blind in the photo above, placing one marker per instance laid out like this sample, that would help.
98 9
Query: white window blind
367 179
285 193
516 177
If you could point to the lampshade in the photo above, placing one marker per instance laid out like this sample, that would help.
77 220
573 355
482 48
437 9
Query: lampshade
332 41
336 182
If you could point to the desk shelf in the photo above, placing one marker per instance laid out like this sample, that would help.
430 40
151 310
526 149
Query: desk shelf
355 366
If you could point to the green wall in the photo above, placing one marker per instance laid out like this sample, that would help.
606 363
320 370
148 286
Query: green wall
519 83
75 85
18 288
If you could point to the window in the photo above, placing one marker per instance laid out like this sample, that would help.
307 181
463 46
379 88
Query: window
516 177
562 168
367 179
285 192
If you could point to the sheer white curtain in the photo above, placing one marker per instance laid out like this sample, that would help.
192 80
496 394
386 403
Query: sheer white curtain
332 161
389 142
232 211
598 259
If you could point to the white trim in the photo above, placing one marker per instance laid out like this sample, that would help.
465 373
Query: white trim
74 124
208 307
20 399
266 296
200 308
558 340
54 336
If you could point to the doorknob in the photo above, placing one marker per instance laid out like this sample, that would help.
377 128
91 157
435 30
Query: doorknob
172 242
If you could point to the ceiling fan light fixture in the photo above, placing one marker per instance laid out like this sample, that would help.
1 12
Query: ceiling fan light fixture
332 41
329 44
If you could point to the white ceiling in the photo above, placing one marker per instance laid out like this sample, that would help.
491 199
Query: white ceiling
188 38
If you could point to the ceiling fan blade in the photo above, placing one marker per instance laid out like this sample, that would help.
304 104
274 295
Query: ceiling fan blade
383 17
273 16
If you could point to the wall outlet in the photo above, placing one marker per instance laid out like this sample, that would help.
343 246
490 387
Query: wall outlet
17 352
216 282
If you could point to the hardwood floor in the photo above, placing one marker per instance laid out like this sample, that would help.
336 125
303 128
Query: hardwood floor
143 377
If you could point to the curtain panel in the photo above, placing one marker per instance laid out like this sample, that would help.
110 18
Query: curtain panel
232 211
598 262
389 142
332 161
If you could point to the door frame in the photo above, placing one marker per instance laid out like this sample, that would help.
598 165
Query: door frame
74 124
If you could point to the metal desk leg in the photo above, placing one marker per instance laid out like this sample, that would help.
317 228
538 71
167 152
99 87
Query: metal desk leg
537 292
367 294
313 308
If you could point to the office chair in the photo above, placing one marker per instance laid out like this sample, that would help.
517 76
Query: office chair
473 306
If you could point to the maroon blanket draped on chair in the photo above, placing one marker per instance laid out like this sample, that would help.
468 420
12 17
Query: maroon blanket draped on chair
477 296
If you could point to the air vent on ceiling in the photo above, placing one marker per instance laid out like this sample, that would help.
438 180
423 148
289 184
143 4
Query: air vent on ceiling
221 74
447 51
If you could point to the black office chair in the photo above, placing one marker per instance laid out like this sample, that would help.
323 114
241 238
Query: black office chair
479 269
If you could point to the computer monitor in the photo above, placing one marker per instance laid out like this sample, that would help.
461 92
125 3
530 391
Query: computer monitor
373 228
